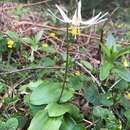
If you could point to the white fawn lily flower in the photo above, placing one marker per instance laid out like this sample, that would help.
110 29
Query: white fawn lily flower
76 20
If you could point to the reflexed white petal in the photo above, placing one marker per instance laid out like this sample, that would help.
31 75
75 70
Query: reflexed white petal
55 16
102 20
103 16
95 20
77 18
97 16
79 10
65 17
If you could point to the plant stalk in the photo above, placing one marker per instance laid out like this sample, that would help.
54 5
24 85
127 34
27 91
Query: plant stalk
66 65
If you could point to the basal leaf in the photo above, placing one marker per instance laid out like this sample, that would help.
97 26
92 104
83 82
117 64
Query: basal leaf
55 110
41 121
68 123
50 93
33 85
12 124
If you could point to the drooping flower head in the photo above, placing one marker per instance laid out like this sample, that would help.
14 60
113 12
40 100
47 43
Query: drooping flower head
76 20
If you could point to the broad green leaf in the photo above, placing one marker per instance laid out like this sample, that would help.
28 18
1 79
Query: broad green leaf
123 73
38 120
50 93
105 70
53 123
110 41
127 115
55 110
2 125
92 95
22 120
61 109
75 82
75 113
68 123
79 127
102 112
87 64
33 85
41 121
121 85
125 102
106 99
12 124
35 108
113 124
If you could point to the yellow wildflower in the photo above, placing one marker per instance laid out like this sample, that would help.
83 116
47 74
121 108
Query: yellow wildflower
127 95
74 30
52 34
125 63
10 43
77 73
45 45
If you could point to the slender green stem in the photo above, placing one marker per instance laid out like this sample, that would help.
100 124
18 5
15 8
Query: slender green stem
9 57
66 67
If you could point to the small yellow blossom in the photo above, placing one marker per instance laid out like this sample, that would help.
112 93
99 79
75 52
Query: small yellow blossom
127 95
52 34
125 63
74 30
10 43
77 73
45 45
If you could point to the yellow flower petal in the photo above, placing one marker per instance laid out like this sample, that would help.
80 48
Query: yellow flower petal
125 63
45 45
128 95
10 46
77 73
74 30
10 43
52 34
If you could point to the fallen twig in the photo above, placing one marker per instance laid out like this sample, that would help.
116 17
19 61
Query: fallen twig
25 5
28 69
89 72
